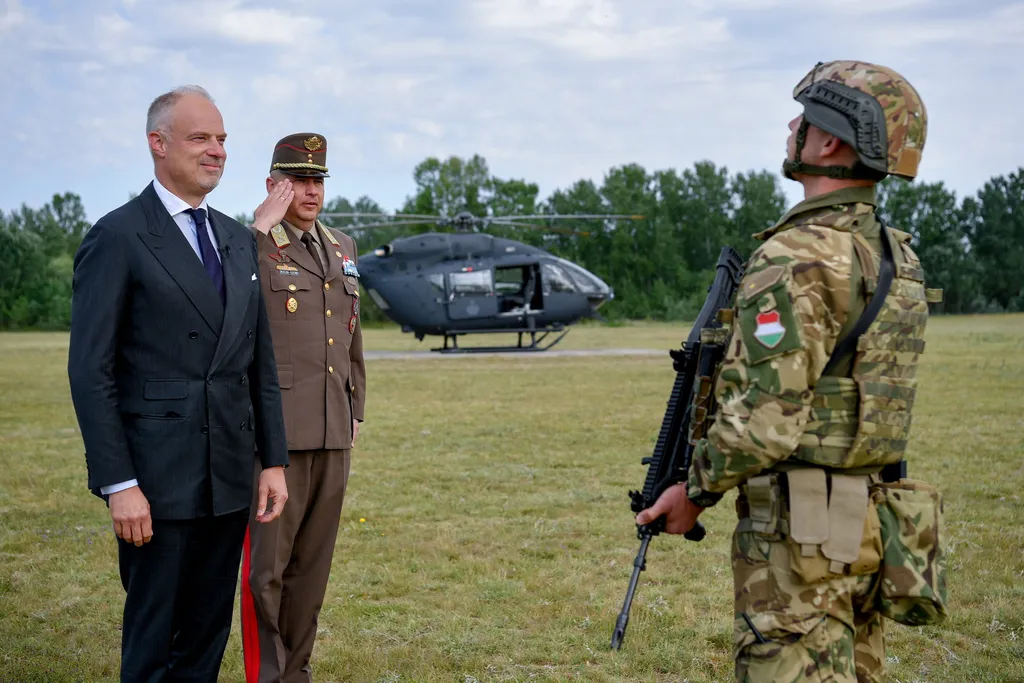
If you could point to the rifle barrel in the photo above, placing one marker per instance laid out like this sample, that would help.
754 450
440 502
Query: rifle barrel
639 564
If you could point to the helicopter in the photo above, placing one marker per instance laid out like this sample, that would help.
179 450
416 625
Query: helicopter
470 282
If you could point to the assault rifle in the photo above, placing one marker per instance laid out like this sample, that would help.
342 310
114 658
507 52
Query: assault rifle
690 407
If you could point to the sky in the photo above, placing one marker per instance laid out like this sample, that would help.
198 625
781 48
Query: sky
550 91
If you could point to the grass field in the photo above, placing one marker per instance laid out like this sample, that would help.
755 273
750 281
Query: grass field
498 540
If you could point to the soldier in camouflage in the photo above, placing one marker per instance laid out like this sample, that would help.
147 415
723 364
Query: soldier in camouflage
804 435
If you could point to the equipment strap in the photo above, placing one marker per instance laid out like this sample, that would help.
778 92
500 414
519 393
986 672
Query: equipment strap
849 343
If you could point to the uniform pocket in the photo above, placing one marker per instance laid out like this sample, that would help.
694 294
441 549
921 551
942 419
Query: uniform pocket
913 587
795 647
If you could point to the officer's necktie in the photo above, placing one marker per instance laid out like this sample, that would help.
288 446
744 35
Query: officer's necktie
208 253
310 243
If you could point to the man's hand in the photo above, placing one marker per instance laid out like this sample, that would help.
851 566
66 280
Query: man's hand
130 511
272 210
680 513
272 485
355 431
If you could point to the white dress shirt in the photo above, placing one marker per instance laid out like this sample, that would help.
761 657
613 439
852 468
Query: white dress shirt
177 207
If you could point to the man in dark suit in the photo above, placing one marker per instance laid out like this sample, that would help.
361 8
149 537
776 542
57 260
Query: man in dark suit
174 382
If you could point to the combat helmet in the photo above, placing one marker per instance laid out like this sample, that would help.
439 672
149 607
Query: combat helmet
871 108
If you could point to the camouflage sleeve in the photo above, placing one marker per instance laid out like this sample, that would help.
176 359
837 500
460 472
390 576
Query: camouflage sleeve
790 307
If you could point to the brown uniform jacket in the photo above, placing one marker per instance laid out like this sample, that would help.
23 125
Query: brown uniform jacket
317 335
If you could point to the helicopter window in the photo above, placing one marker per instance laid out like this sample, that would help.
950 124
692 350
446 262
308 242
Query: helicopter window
473 282
437 281
556 280
378 299
510 280
584 281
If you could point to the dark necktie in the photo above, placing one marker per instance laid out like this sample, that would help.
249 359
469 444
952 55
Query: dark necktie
307 238
209 254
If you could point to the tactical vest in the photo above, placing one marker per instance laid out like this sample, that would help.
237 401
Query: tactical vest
863 421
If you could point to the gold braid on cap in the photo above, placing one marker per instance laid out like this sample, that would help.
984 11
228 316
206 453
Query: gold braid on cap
310 167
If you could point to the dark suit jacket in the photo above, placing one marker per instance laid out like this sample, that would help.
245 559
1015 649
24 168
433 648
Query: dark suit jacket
170 386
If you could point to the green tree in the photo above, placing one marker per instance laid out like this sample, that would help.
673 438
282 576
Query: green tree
757 204
929 212
448 187
996 233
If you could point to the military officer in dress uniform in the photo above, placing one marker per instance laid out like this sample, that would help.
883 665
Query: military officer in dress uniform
310 283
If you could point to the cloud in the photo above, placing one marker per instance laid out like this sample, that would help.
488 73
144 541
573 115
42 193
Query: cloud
266 27
551 91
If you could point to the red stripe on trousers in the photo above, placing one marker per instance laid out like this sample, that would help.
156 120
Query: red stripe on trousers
250 630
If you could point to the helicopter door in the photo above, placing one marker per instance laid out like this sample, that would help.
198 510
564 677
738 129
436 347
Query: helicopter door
471 295
518 289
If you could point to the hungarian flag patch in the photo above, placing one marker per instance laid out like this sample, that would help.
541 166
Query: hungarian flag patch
769 331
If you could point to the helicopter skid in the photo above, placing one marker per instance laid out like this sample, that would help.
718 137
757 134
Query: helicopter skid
535 345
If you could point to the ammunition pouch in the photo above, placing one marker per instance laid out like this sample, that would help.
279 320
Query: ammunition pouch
825 518
913 583
834 531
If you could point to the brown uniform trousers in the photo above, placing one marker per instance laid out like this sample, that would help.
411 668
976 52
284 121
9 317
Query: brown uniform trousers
314 320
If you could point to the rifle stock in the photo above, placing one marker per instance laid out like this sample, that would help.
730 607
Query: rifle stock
690 406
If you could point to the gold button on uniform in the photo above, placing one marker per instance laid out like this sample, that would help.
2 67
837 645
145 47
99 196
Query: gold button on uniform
327 285
330 369
328 313
291 288
330 342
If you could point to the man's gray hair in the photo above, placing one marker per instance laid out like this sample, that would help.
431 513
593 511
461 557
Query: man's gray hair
160 109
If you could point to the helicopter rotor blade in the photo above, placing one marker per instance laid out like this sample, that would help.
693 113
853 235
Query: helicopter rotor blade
383 215
367 226
566 231
633 217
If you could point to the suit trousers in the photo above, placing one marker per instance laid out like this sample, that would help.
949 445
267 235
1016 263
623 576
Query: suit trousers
180 594
289 565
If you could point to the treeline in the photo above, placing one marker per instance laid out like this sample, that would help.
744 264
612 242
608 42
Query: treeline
659 266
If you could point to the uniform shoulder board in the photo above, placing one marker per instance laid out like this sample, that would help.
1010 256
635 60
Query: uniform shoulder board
280 236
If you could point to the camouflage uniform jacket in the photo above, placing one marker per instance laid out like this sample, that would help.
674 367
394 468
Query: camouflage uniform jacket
796 301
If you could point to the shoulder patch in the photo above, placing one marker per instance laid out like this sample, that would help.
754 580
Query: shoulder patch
756 283
766 320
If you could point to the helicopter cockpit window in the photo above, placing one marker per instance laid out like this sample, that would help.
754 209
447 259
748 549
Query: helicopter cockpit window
472 282
437 281
556 280
585 282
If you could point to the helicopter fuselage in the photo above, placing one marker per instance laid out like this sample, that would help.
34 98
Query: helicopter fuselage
457 283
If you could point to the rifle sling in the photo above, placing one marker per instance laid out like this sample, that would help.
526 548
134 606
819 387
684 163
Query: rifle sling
848 344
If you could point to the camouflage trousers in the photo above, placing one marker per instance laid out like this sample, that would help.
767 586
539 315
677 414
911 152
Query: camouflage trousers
826 629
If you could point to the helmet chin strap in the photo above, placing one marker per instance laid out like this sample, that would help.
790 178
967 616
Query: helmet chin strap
791 167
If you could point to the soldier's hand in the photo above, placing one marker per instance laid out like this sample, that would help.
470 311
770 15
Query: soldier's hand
272 210
273 486
129 509
355 431
680 512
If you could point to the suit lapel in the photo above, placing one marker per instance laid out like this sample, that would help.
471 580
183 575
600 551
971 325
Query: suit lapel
175 254
237 282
